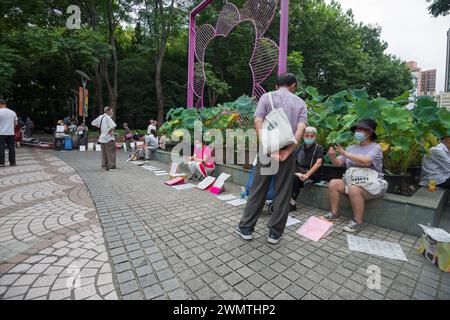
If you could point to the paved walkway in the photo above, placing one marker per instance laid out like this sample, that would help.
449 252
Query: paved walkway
168 244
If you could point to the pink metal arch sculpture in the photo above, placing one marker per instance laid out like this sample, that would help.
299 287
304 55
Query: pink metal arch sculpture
265 55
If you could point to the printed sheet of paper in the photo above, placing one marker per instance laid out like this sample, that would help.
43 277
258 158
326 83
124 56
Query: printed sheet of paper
220 181
315 228
184 186
379 248
237 202
291 221
227 197
437 234
208 181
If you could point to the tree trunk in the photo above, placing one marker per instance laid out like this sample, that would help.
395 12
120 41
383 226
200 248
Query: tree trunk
112 89
159 92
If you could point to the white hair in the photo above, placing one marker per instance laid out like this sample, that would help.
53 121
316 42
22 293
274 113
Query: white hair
311 130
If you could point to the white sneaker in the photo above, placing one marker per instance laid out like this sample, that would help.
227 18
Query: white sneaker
352 226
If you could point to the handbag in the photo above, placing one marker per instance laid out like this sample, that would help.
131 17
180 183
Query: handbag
365 178
276 132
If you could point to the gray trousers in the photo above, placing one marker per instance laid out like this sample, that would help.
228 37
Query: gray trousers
282 194
109 155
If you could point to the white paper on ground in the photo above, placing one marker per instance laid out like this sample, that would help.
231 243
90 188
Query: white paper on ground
137 163
82 148
184 186
161 174
206 183
437 234
237 202
379 248
98 147
227 197
90 146
220 181
159 171
291 221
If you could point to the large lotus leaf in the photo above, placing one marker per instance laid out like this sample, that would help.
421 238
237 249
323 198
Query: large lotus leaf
332 123
338 103
340 94
348 120
363 109
444 117
336 137
424 102
396 116
358 94
312 91
174 113
402 142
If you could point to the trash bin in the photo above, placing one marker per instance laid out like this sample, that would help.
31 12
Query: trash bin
68 143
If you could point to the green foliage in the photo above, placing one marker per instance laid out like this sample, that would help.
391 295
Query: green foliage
439 7
405 135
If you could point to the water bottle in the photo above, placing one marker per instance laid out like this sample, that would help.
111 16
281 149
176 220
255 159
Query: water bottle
243 193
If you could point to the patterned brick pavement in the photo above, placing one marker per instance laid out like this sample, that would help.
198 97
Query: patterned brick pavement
145 240
51 242
168 244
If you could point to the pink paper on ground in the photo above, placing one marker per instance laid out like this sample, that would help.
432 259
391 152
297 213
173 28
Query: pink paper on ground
175 181
315 228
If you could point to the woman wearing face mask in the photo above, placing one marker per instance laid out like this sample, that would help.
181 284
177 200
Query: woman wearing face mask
309 158
366 154
202 163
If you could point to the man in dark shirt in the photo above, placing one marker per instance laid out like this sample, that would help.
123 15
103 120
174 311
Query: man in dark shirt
309 159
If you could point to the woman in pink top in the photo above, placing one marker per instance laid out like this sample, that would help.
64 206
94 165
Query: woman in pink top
202 163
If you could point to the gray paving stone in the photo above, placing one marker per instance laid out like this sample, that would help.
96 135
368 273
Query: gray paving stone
128 287
153 292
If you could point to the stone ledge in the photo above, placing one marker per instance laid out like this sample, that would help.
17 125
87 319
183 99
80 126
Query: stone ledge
395 212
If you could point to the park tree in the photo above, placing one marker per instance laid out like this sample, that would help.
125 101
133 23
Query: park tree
439 7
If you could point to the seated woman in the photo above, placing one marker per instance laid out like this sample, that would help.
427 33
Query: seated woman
309 162
201 164
365 154
436 165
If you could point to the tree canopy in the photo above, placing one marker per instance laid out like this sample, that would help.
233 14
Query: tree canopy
135 52
439 7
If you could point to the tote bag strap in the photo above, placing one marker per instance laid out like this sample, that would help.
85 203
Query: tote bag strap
271 101
312 159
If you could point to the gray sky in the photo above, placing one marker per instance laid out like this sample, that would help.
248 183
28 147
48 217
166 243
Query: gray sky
412 34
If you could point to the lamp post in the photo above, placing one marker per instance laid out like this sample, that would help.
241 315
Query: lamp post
84 79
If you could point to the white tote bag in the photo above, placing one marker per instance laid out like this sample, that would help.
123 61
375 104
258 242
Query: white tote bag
365 178
276 132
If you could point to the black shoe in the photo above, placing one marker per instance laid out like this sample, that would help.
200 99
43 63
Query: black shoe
13 164
245 235
193 178
105 169
2 165
112 168
273 238
292 207
308 183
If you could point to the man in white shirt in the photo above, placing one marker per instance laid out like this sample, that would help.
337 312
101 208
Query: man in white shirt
436 165
151 126
8 120
106 125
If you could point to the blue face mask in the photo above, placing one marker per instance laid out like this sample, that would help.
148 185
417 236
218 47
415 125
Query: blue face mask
360 136
309 141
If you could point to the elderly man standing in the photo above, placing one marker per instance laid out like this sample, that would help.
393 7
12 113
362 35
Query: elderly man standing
8 120
296 111
436 165
106 125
